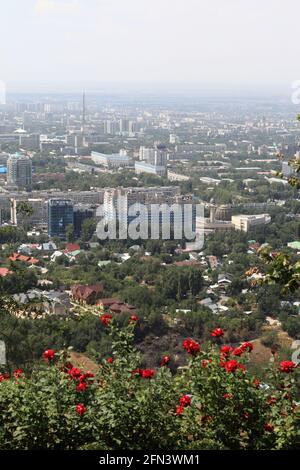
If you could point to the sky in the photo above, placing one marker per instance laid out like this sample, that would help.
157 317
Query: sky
73 43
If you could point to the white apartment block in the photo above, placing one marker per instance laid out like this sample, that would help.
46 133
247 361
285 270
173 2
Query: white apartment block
245 222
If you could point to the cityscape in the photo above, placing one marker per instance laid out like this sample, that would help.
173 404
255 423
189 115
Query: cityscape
149 250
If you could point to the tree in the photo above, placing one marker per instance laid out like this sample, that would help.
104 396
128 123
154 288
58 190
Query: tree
88 229
24 208
11 234
292 326
195 281
70 233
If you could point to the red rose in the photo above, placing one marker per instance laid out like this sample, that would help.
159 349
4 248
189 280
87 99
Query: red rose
231 366
217 333
227 396
49 354
81 409
83 377
88 375
81 387
237 352
18 373
256 383
247 346
137 372
191 346
165 360
179 410
4 377
75 373
110 360
185 400
204 363
147 373
271 400
133 319
226 350
287 366
106 319
269 427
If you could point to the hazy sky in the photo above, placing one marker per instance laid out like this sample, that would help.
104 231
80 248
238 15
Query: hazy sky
157 41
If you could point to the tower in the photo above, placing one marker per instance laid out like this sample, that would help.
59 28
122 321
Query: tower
213 210
83 114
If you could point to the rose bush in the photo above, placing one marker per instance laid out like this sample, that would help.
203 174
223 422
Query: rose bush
213 402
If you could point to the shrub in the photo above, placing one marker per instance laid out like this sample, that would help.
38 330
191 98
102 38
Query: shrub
213 402
270 340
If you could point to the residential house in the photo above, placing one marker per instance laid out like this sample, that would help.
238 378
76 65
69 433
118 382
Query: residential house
123 308
103 263
23 258
56 255
72 250
70 247
224 281
105 303
116 306
40 302
27 248
207 302
49 246
87 294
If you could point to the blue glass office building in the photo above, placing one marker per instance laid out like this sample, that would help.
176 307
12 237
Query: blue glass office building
60 215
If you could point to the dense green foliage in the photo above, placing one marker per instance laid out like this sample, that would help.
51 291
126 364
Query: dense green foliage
212 403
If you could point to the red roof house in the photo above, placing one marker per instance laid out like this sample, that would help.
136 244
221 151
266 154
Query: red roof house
87 294
23 258
107 302
71 247
4 272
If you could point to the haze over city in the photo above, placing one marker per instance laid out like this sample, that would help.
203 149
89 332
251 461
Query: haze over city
73 44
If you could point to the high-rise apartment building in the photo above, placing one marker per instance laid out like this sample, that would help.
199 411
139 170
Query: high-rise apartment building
164 207
36 217
19 171
154 156
124 125
110 127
